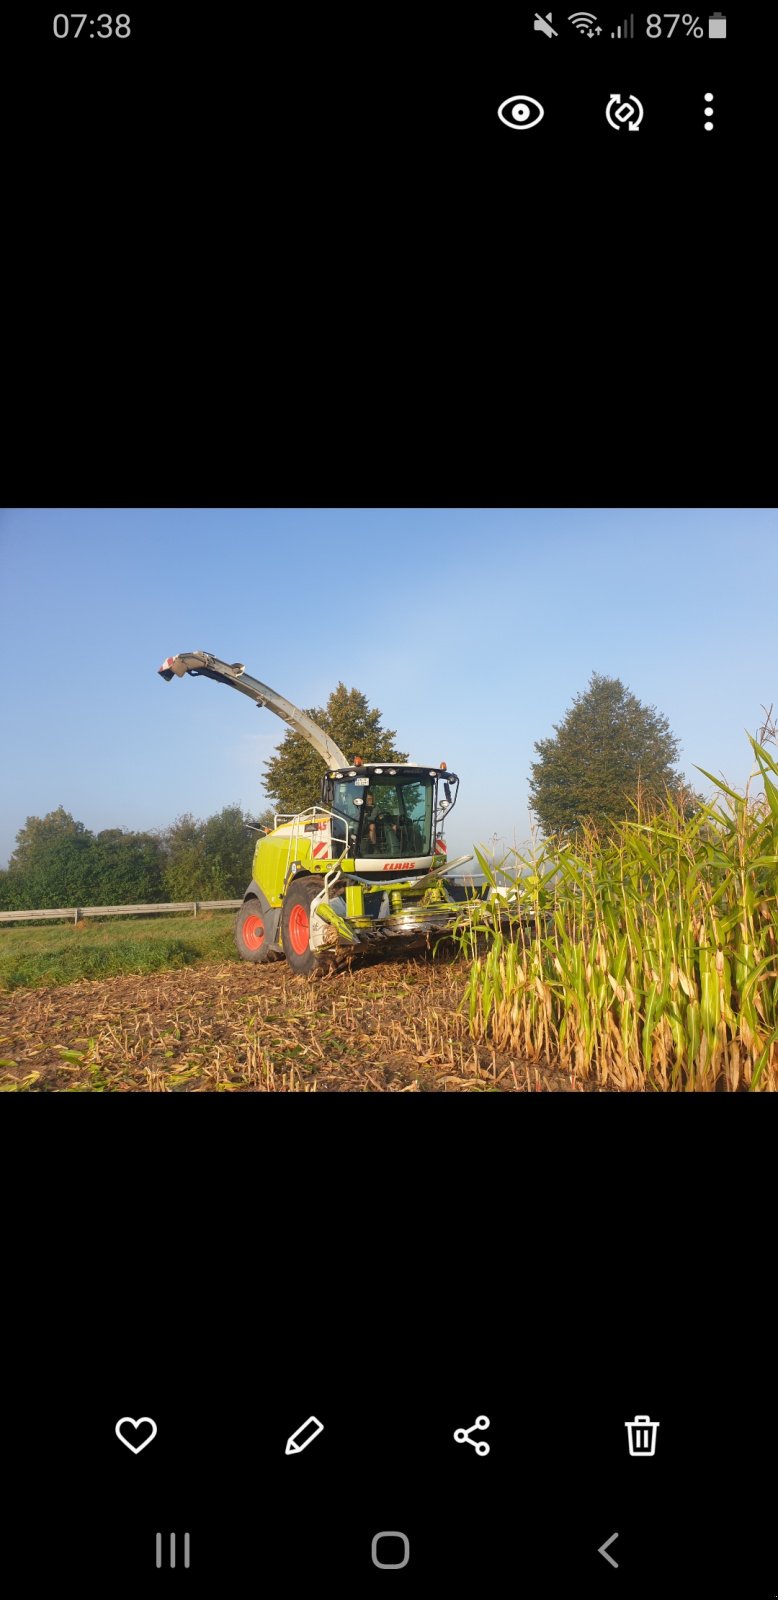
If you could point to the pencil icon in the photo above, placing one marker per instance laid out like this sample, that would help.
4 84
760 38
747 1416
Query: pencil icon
304 1436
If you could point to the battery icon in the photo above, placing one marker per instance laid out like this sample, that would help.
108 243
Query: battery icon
717 26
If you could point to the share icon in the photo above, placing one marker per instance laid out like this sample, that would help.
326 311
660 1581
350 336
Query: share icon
462 1436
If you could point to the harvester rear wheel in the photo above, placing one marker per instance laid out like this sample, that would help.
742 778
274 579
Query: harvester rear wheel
253 935
296 925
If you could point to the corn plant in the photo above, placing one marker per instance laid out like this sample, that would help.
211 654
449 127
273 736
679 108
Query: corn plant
647 958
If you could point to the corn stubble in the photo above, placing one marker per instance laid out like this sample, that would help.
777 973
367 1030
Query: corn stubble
389 1026
647 960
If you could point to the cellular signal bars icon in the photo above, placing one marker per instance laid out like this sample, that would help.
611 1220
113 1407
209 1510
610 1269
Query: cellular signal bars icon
627 31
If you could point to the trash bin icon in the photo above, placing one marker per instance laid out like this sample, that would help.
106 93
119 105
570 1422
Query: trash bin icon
642 1436
717 26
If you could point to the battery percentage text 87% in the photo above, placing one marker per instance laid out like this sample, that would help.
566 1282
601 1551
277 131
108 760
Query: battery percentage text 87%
691 24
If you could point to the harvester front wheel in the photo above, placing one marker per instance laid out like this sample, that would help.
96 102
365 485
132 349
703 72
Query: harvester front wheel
253 934
296 925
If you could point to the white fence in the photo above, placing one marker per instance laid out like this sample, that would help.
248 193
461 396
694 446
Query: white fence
77 912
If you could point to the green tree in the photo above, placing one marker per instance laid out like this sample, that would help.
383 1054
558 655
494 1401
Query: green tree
608 750
51 864
229 852
208 860
128 868
39 833
293 775
185 869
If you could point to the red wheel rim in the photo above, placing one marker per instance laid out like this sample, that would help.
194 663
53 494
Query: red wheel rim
254 932
298 929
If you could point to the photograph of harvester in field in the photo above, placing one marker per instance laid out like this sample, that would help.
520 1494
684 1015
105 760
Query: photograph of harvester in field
366 867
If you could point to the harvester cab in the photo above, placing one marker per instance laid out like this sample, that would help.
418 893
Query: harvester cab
365 867
391 815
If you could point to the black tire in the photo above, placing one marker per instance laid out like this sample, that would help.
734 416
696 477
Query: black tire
255 930
296 925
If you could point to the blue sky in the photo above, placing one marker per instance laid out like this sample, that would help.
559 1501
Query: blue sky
471 630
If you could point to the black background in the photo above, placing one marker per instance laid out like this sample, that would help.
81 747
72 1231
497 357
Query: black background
298 260
313 250
558 1480
404 79
561 1264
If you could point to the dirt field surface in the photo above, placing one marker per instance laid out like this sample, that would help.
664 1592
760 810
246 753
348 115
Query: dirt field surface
387 1026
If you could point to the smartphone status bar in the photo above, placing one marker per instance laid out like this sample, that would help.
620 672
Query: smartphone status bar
651 25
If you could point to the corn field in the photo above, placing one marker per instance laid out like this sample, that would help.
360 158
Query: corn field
647 959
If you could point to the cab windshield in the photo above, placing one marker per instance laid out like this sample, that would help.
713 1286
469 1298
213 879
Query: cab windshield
389 815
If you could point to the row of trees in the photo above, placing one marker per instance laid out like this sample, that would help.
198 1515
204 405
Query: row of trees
59 862
608 749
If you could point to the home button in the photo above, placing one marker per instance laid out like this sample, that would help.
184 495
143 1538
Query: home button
402 1549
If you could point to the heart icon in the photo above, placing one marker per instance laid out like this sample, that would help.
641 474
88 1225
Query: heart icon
135 1423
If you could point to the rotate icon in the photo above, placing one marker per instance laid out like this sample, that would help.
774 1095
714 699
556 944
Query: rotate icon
627 113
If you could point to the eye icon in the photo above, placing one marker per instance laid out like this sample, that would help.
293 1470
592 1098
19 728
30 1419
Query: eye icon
521 111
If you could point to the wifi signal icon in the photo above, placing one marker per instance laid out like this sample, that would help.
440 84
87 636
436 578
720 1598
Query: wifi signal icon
584 21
